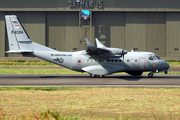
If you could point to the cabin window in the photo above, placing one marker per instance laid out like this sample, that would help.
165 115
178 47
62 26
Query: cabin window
127 60
85 60
104 60
116 60
120 60
131 60
108 60
100 60
112 60
96 60
93 60
135 60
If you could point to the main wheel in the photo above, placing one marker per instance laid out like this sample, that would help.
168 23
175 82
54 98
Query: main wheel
150 75
101 76
93 76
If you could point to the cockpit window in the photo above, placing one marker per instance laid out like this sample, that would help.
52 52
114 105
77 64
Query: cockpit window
150 57
154 57
157 57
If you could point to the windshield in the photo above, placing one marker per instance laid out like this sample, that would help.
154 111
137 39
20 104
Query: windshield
157 56
153 57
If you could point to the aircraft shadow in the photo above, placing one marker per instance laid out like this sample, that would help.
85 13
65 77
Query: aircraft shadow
86 77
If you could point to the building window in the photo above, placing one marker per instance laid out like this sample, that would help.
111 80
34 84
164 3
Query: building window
74 48
135 49
176 49
157 49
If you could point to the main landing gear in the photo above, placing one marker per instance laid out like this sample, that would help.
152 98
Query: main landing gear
97 76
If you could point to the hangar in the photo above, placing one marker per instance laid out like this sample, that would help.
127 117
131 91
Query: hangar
139 25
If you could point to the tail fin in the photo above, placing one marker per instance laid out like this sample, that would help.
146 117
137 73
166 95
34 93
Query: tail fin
19 41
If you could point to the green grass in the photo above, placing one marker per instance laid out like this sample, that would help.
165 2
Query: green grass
40 88
52 71
15 63
174 63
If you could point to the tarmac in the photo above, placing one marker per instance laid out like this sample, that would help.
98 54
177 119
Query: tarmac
84 80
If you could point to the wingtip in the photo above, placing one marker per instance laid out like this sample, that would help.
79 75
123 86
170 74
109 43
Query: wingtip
99 44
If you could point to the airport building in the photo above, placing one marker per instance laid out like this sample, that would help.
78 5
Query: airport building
139 25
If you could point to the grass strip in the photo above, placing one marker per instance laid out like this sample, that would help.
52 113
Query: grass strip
72 88
40 88
92 103
52 71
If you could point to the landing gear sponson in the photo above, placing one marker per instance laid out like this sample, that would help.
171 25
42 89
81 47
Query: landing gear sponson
97 76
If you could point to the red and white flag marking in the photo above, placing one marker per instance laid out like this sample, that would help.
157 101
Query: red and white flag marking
16 26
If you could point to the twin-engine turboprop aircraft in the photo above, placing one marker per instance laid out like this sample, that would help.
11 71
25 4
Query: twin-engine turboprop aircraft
98 60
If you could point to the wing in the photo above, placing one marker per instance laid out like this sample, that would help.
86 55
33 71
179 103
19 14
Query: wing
96 50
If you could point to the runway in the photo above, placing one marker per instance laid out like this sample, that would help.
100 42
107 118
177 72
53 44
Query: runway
83 80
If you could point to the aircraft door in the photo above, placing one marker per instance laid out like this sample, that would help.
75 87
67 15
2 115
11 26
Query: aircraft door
142 63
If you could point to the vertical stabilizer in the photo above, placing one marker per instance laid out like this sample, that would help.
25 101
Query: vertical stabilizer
17 36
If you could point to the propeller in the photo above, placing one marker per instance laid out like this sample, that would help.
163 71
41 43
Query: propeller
123 53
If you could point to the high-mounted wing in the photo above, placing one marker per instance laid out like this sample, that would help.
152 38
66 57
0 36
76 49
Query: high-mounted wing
104 51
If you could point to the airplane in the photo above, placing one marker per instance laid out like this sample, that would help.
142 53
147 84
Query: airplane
97 60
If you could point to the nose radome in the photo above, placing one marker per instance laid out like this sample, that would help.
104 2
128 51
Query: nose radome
166 65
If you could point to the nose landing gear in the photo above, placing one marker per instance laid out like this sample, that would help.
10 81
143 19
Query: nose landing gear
150 75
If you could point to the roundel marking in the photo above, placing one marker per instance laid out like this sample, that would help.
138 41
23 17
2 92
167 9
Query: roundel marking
79 61
154 66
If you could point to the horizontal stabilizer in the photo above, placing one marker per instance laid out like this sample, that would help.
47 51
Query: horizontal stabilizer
19 51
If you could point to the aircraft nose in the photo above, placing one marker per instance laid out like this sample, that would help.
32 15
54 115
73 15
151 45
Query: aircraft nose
166 65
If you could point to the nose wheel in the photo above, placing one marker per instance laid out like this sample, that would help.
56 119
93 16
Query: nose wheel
150 75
